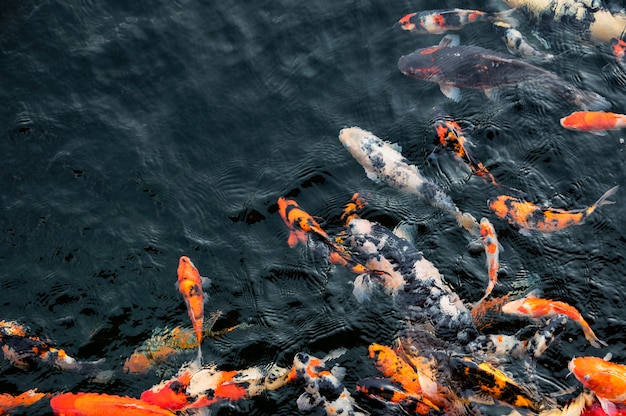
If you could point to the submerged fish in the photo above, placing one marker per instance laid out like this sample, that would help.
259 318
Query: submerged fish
96 404
383 162
517 43
492 252
596 122
440 21
453 67
9 402
23 349
322 387
528 216
605 379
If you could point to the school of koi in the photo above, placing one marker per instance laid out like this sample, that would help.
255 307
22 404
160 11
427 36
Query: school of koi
441 361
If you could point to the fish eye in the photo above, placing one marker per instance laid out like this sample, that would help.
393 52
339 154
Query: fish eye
587 377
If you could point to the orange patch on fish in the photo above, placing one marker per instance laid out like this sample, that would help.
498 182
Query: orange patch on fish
95 404
190 286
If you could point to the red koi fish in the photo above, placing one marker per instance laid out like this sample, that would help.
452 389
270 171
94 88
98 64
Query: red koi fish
22 349
605 379
9 402
440 21
537 308
492 251
528 216
596 122
95 404
190 286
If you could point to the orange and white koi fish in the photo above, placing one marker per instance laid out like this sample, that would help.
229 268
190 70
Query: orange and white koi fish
322 387
195 387
537 308
528 216
95 404
9 402
596 122
492 251
22 349
190 286
440 21
605 379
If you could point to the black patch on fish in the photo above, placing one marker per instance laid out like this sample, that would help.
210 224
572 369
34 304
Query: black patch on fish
329 390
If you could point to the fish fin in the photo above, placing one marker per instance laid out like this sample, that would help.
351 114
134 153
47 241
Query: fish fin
395 146
293 239
406 230
505 18
363 287
603 199
307 401
338 372
525 232
206 282
607 357
450 40
452 92
608 406
599 132
334 354
372 176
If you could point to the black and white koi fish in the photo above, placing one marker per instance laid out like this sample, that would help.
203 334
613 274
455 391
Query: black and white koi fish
383 162
517 43
453 67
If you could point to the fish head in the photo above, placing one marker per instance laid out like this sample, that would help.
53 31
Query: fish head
299 222
64 404
589 372
618 47
361 144
186 269
407 22
486 228
420 64
517 307
503 205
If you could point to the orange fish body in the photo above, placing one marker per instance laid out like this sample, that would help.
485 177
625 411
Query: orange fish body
492 252
605 379
597 122
94 404
9 402
528 216
299 222
190 286
534 307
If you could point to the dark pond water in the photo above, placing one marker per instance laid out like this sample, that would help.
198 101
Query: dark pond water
137 132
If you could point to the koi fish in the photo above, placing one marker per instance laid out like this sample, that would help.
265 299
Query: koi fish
453 67
618 49
390 393
9 402
528 216
492 251
195 387
190 286
22 349
440 21
517 44
596 122
165 343
536 308
605 379
383 162
496 383
450 136
322 387
96 404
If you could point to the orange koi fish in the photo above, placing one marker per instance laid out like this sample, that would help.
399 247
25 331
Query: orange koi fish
95 404
9 402
390 393
529 216
440 21
605 379
190 286
492 251
536 308
596 122
22 349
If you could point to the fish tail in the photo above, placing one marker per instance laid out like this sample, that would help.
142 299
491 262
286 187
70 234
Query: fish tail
603 200
586 100
592 338
505 17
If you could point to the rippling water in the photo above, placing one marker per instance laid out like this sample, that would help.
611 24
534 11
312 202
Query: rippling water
136 132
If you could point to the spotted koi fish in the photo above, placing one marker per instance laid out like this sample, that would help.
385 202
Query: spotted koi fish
383 162
450 136
23 349
190 286
605 379
596 122
440 21
517 44
322 387
95 404
530 217
453 67
9 402
492 251
195 388
537 308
